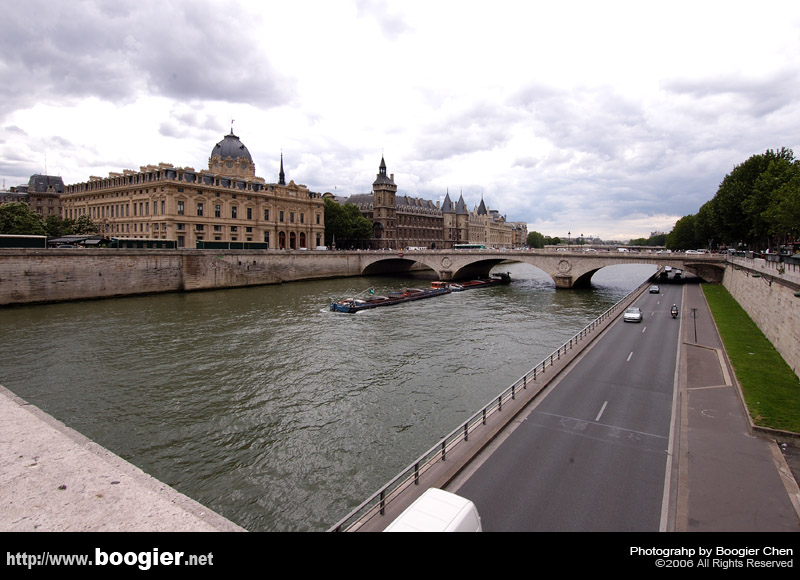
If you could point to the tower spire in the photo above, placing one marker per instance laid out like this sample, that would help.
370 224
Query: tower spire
281 175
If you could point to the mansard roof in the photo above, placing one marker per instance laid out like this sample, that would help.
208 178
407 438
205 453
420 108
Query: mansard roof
41 183
361 199
415 202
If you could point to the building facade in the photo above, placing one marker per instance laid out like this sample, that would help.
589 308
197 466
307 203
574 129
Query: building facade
42 194
225 203
400 221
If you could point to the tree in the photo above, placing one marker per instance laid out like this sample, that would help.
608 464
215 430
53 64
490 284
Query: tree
85 225
56 226
704 233
783 211
18 218
345 225
756 204
535 240
683 235
737 205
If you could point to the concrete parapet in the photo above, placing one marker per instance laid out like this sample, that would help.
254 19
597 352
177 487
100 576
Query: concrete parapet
54 479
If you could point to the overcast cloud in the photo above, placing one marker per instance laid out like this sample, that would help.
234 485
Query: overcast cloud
603 118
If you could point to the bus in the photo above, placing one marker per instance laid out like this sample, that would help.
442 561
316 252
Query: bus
219 245
140 243
469 246
15 241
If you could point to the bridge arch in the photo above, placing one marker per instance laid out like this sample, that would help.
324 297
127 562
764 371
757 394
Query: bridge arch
567 269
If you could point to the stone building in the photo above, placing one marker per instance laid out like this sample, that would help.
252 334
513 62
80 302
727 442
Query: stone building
400 221
42 194
226 203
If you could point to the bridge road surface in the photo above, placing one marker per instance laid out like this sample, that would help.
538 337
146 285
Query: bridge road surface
593 454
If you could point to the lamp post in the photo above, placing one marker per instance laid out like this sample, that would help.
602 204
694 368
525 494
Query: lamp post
568 239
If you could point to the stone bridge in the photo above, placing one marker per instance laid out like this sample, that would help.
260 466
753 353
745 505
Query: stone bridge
568 269
53 275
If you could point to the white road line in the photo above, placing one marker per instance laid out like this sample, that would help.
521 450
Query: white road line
600 414
629 357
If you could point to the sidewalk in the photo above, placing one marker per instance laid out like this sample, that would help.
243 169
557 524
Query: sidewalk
53 479
729 480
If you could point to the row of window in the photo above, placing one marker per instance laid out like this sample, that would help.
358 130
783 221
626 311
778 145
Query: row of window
282 214
292 242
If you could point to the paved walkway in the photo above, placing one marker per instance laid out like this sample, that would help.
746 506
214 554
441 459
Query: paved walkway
54 479
729 480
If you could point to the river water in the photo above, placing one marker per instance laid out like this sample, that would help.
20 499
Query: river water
267 408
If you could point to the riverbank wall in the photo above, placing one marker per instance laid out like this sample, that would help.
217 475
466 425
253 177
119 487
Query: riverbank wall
40 276
770 294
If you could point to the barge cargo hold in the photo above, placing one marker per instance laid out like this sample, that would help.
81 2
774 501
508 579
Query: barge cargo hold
356 304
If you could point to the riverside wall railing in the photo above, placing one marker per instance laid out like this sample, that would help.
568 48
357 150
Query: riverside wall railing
783 270
376 504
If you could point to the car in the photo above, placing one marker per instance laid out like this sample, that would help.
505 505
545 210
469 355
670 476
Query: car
632 314
654 289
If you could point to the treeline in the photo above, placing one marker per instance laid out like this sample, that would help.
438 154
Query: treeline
17 218
757 206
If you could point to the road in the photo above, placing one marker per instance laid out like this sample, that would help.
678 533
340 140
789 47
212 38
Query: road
592 454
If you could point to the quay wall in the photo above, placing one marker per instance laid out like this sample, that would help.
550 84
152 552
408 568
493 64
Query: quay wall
767 292
37 276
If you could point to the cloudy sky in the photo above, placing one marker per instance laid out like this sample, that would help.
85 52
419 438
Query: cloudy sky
609 118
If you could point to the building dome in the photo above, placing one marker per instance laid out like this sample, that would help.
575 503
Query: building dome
230 146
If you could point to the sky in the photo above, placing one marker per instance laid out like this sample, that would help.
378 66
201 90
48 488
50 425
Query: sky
610 119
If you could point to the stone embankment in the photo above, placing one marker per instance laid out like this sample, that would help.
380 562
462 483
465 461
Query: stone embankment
770 294
31 276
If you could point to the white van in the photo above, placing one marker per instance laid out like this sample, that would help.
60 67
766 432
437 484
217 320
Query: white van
437 510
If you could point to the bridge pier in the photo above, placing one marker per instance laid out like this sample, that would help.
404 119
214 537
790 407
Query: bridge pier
445 275
562 281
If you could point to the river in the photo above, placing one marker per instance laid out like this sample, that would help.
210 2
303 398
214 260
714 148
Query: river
267 408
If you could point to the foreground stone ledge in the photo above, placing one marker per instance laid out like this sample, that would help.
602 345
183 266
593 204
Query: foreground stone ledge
54 479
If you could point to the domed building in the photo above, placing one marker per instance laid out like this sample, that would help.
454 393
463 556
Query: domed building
225 205
230 157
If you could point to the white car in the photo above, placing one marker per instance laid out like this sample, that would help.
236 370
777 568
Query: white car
632 314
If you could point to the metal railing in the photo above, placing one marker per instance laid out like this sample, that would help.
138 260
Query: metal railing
376 504
783 270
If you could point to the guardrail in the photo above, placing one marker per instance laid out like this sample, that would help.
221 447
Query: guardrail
376 504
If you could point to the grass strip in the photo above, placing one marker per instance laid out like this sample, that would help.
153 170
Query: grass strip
771 389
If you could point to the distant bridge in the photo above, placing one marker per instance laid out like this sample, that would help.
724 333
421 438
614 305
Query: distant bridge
30 275
567 269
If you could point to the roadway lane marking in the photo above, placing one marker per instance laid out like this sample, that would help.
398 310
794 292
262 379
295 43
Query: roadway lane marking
629 357
600 414
645 328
